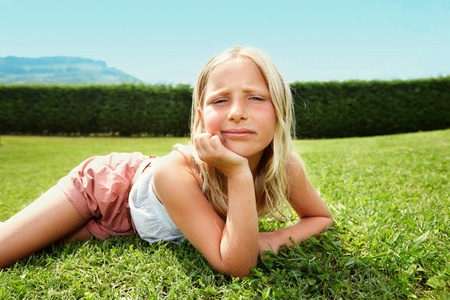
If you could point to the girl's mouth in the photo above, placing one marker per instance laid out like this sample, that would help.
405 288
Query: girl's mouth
238 133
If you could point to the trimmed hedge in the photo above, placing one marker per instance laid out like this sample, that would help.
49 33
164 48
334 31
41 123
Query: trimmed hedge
366 108
333 109
117 109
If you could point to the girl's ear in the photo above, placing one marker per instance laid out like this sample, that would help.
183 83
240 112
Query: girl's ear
200 117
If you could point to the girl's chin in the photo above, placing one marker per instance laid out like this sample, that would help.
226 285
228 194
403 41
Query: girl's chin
242 150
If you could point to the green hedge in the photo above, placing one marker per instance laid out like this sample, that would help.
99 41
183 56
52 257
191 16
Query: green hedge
365 108
333 109
119 109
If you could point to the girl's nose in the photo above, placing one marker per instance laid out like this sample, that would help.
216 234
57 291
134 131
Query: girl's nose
237 112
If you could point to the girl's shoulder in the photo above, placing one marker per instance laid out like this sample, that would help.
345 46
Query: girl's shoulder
177 167
296 172
180 157
295 163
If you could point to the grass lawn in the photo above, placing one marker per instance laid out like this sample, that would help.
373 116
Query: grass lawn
389 196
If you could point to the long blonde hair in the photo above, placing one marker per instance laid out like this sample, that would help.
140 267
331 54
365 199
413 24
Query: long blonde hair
271 182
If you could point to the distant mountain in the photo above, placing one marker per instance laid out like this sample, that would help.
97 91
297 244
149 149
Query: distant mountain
60 70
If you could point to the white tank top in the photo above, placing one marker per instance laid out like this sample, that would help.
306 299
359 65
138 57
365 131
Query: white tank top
150 217
151 220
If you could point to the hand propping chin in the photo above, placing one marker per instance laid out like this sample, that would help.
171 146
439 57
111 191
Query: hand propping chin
211 150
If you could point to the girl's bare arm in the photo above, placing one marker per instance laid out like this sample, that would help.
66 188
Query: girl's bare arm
309 206
231 247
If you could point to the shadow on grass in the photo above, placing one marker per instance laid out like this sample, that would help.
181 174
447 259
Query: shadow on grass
319 267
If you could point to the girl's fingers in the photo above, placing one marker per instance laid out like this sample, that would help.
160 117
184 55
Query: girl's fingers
203 146
207 143
201 142
216 143
211 150
209 147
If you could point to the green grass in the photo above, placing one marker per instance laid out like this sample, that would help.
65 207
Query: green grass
389 196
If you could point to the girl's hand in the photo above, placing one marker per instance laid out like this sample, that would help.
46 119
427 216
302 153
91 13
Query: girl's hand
211 150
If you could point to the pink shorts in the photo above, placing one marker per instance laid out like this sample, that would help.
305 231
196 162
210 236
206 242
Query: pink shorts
99 189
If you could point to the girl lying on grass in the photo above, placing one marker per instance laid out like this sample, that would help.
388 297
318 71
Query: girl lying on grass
240 166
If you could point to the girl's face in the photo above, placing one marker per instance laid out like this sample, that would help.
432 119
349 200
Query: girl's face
237 107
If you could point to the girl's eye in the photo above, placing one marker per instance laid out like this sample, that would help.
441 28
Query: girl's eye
218 101
257 98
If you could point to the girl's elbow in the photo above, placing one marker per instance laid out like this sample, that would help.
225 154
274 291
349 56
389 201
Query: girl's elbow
239 270
242 274
329 222
238 273
238 263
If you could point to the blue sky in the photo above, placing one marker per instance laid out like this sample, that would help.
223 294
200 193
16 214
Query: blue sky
170 41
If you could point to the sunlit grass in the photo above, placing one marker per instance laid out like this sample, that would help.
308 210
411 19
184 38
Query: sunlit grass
389 196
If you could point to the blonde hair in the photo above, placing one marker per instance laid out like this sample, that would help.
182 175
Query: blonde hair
271 182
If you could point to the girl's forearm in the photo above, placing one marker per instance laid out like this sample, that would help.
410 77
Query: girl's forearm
239 246
306 228
301 230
